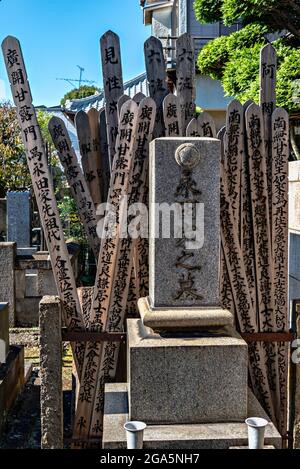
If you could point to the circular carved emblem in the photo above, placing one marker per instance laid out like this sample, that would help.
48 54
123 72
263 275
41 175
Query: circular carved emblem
187 155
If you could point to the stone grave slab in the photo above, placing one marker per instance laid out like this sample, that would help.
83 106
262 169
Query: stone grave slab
185 277
18 218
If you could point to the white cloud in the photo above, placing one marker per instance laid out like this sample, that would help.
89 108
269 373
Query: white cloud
2 91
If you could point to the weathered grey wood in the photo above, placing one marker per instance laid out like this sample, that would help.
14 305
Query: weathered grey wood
43 188
105 166
280 236
220 136
113 85
192 128
260 217
227 300
246 226
95 156
131 305
120 285
121 101
85 295
246 316
206 125
89 150
156 77
83 134
138 98
267 101
76 180
185 70
202 126
105 270
280 155
172 116
233 155
262 241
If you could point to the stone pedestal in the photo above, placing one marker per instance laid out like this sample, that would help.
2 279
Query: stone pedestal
196 377
184 436
4 332
187 366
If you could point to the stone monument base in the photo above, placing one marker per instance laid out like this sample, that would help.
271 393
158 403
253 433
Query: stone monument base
186 377
188 436
183 318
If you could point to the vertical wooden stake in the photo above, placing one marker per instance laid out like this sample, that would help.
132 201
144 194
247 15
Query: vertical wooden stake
76 180
156 76
113 86
185 69
43 189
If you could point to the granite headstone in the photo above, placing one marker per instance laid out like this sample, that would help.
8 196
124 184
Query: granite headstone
185 172
18 218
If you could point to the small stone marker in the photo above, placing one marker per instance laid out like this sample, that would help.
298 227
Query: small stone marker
51 373
185 69
7 276
76 180
172 116
19 218
156 76
113 85
185 277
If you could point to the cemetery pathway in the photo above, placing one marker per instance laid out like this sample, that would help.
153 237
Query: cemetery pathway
23 426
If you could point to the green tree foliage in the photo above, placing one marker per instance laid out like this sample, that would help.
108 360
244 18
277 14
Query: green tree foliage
14 173
82 92
234 59
72 225
278 15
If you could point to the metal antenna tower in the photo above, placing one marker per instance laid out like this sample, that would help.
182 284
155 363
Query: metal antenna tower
72 81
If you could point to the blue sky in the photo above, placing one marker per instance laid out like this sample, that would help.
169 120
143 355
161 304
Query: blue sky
57 35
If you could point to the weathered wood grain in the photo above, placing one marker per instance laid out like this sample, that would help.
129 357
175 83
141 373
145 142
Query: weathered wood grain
156 77
185 70
43 189
76 180
113 85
